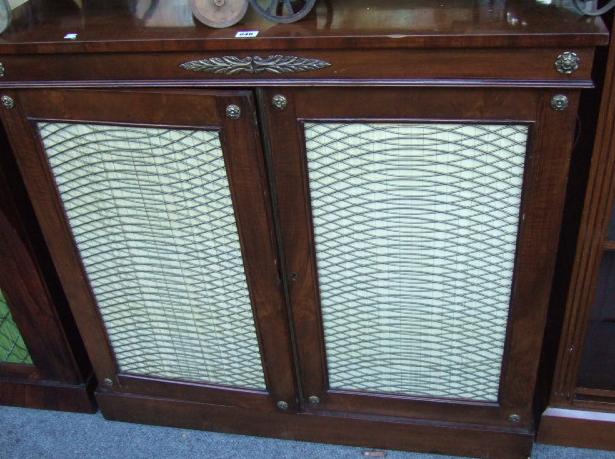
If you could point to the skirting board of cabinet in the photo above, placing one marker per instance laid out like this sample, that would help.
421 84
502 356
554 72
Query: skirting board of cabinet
395 434
578 428
48 395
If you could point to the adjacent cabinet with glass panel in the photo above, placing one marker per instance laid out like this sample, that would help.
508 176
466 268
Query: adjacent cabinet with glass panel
343 240
581 408
42 362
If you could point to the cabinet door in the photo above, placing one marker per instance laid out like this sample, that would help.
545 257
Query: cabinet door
156 213
419 231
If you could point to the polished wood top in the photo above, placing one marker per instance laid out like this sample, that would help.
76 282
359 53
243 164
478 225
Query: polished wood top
167 25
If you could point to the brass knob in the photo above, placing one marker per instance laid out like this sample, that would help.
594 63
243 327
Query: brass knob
314 400
279 102
282 405
567 63
233 112
108 382
559 102
514 418
7 101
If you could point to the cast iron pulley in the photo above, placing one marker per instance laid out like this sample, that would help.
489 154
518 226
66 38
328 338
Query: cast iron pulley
284 11
219 13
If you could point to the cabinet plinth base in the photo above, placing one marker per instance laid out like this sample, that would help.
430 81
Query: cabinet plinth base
48 395
578 428
414 435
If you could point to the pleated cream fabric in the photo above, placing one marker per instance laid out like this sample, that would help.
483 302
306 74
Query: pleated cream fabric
415 229
151 213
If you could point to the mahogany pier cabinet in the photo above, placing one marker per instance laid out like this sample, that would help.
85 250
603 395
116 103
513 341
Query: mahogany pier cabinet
581 410
42 361
338 230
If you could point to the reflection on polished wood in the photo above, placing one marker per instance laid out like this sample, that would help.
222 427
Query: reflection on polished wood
136 25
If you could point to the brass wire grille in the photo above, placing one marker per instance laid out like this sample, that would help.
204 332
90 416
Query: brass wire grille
415 227
152 216
12 347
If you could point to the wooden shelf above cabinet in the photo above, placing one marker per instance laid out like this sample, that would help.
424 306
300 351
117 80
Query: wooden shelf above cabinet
112 26
359 42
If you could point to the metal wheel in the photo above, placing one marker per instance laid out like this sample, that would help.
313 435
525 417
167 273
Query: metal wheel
284 11
5 15
219 13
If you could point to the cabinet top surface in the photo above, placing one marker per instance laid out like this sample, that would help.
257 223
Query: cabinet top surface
42 26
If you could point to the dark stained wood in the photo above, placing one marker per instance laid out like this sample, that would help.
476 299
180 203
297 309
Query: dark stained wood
484 66
20 371
584 392
247 178
48 395
363 24
369 431
578 428
195 392
245 166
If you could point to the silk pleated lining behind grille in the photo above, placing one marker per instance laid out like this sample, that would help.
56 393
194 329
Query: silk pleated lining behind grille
151 213
415 228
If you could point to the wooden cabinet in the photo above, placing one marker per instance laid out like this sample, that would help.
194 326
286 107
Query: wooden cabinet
356 246
42 362
581 407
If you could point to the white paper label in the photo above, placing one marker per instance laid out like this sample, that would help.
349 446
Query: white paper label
246 34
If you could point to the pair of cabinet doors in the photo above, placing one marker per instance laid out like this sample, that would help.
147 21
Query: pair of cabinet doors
381 251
